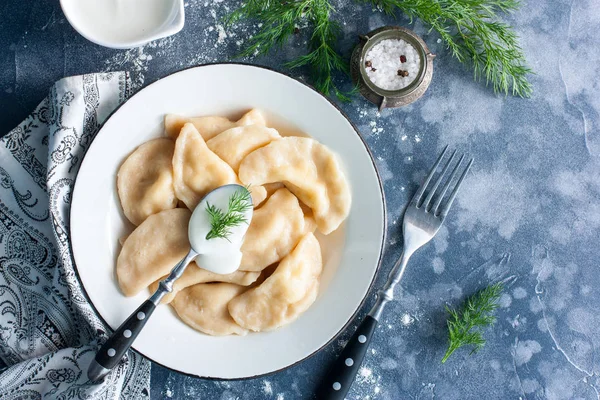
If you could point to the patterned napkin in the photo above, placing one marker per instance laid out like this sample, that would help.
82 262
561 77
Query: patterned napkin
48 331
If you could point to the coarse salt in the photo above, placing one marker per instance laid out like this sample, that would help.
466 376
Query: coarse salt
392 64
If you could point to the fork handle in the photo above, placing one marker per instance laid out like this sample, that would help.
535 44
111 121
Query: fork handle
340 377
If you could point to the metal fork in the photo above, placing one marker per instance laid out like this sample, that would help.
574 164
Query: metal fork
422 220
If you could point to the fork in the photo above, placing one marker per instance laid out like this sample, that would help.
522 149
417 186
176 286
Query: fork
422 220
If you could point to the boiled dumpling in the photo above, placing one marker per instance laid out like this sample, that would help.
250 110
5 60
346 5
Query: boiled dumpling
153 249
275 230
252 117
145 180
197 170
236 143
210 126
310 170
284 295
194 275
296 309
204 308
273 187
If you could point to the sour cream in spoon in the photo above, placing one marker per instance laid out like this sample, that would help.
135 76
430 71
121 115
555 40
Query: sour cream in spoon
218 226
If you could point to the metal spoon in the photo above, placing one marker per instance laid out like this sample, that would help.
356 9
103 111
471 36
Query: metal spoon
120 341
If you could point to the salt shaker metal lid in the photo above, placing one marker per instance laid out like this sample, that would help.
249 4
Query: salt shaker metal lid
391 98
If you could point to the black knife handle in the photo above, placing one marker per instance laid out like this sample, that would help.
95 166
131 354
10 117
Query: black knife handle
116 346
340 377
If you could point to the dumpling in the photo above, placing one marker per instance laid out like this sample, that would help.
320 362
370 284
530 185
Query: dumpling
236 143
310 170
194 275
284 295
145 180
197 170
273 187
210 126
252 117
275 230
204 308
153 249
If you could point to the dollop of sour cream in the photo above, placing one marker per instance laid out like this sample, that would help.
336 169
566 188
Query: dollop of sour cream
219 255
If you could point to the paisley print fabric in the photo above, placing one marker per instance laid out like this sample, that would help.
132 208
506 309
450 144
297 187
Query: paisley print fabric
48 331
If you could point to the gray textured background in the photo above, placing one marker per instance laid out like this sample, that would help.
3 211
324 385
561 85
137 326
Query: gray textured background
530 211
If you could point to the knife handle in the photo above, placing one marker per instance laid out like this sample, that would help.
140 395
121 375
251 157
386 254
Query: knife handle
338 380
116 346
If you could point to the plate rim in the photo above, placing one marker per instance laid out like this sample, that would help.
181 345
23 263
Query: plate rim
383 236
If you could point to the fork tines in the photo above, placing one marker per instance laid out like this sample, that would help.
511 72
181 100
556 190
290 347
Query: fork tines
427 192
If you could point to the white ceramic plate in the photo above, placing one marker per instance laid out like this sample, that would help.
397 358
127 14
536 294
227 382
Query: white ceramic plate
97 221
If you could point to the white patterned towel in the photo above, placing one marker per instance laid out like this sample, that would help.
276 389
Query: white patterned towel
48 331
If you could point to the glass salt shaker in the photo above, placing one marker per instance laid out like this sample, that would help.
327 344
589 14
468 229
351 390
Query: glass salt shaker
391 98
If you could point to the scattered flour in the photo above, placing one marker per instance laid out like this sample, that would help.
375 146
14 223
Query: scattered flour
457 114
137 60
519 293
495 364
517 321
374 128
407 319
524 350
478 205
530 385
267 388
384 170
133 60
364 374
438 265
222 35
440 241
389 364
505 300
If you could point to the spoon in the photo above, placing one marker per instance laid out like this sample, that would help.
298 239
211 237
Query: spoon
111 353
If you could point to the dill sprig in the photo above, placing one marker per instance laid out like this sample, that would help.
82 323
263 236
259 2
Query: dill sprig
323 60
474 34
221 222
464 325
280 19
471 29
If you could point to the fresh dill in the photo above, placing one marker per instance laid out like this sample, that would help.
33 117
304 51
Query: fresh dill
323 60
221 222
465 324
280 20
472 30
